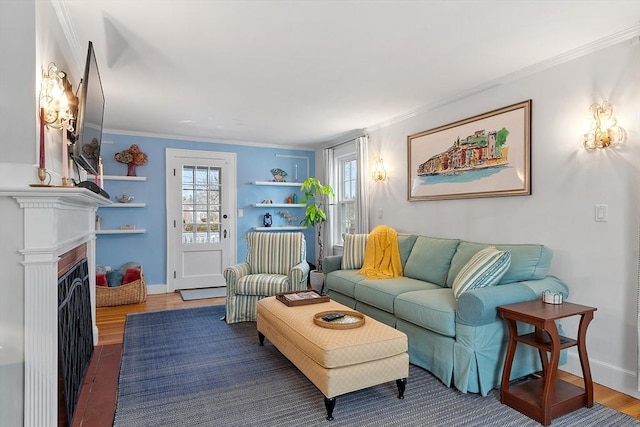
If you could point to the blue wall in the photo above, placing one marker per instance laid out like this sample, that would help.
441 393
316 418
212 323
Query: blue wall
253 164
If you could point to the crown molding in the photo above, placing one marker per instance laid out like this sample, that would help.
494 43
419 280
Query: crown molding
67 28
630 35
204 140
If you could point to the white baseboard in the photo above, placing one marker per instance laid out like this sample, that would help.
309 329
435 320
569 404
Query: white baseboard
156 289
622 380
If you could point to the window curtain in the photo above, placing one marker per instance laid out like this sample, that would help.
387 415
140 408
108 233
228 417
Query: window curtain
638 304
362 203
331 179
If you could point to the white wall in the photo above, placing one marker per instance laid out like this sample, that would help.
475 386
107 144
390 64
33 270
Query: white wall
30 38
18 151
597 260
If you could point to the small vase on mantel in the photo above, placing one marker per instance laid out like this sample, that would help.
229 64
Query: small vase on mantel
131 169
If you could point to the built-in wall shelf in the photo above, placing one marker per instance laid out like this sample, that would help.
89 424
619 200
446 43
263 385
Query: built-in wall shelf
136 231
279 205
278 184
125 205
118 178
285 228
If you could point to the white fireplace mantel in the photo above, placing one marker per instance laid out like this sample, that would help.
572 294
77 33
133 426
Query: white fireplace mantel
56 220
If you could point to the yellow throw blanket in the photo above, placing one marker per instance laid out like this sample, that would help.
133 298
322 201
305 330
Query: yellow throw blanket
382 255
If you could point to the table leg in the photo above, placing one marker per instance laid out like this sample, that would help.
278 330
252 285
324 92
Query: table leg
542 336
508 360
402 384
584 360
330 404
551 371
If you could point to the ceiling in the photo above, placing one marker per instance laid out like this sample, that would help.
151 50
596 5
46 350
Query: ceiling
305 72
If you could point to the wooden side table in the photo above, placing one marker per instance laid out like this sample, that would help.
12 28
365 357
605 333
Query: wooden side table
547 397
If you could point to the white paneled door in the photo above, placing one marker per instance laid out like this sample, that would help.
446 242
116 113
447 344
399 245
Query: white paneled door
201 219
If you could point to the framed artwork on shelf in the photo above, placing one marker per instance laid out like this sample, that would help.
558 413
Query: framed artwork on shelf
488 155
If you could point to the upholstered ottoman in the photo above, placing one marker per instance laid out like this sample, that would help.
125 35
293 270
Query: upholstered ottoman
335 361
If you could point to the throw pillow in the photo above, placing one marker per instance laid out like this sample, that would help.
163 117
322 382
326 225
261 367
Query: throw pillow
485 268
114 278
101 279
131 275
127 265
353 253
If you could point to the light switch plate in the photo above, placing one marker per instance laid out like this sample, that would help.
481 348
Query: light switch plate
601 214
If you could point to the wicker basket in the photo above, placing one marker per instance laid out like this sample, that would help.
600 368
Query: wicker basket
131 293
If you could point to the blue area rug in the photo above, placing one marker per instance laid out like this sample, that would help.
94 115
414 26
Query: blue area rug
189 368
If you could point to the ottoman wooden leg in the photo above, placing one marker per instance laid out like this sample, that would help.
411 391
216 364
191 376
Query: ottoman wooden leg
402 384
329 403
261 338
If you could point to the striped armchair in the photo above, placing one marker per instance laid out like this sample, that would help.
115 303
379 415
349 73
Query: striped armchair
276 262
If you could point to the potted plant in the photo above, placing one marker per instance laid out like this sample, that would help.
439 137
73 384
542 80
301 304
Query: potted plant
315 216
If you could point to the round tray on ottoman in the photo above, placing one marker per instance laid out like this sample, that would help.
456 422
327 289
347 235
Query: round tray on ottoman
351 320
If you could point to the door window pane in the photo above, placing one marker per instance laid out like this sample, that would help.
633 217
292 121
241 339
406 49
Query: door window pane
201 199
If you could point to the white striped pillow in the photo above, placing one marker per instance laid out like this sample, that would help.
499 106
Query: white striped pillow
353 253
485 268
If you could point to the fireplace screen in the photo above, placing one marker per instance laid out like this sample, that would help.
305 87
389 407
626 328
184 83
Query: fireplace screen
75 332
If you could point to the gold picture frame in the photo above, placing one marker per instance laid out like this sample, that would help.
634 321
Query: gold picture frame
488 155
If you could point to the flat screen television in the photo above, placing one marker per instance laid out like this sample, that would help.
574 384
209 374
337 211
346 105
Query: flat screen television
88 136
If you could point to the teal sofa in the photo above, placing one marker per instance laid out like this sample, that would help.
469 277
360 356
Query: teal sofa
462 342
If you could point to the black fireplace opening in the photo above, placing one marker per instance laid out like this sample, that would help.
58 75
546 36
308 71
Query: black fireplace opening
75 333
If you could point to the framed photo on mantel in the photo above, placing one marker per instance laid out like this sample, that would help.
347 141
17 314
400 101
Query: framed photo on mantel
488 155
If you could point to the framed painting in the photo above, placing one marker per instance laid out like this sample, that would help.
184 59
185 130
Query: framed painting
488 155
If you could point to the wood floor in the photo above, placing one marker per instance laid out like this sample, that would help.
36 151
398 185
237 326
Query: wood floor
110 320
97 401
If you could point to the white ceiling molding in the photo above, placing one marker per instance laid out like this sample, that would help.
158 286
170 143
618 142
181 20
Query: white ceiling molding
630 34
78 53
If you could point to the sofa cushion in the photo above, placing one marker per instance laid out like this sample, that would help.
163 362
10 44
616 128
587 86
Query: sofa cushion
430 259
262 284
405 244
353 252
380 293
343 281
433 309
528 261
485 268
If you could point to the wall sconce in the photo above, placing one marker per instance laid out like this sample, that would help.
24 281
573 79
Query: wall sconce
603 128
57 107
54 97
379 173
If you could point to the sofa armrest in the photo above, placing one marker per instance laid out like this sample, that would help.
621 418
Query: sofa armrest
233 273
479 306
298 276
331 263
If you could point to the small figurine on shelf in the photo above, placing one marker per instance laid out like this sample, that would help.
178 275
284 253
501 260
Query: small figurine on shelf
288 218
125 198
